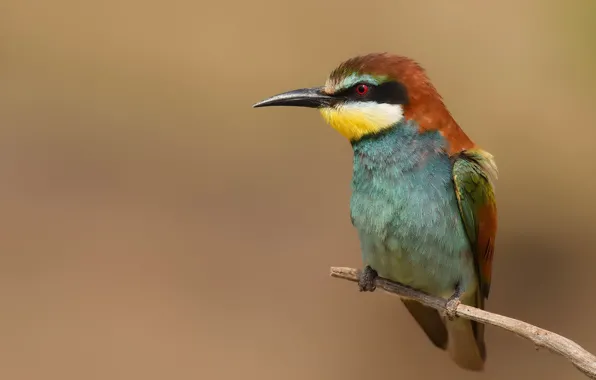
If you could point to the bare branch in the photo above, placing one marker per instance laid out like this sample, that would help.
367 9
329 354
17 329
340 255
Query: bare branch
582 359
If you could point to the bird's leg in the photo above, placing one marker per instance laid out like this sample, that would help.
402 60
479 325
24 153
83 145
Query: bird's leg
453 302
367 279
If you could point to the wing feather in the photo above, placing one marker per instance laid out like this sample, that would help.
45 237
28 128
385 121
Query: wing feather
474 173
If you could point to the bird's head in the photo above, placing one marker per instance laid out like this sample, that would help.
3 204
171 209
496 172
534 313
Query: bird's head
369 94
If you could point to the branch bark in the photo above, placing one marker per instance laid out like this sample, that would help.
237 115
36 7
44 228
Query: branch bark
581 359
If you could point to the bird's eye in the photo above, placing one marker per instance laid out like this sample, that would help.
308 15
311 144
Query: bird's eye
362 89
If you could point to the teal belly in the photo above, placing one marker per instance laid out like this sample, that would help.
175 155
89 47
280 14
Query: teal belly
405 210
431 269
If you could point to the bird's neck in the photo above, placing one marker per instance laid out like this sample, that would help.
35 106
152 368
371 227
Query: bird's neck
402 147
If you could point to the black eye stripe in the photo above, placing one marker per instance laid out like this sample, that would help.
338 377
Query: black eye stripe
387 92
390 92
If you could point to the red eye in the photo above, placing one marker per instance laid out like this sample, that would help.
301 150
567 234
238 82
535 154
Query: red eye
362 89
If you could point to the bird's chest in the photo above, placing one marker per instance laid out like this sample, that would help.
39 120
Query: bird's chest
407 217
417 204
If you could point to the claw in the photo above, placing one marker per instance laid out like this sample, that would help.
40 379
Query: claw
451 308
452 303
367 279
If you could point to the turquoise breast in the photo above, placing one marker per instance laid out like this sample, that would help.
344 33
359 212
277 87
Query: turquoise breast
405 210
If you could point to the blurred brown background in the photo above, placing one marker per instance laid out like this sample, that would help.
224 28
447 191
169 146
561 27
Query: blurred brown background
154 226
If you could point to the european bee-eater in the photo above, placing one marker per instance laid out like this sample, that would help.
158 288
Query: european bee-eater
422 192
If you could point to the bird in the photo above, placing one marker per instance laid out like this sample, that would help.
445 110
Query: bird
423 193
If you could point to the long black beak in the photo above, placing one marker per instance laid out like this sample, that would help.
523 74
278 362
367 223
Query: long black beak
305 97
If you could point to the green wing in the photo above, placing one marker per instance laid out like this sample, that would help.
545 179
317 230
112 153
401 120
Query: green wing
473 173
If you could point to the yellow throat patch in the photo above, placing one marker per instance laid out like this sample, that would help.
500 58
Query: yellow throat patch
358 119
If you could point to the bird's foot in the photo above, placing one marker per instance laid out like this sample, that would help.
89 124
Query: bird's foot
367 279
452 303
451 308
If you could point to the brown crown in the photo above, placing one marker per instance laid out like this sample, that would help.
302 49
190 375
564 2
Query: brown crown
425 105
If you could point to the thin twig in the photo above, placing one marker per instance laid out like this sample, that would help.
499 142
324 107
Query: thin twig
582 359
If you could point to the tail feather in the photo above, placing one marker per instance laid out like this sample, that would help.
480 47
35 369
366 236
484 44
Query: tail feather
463 347
430 320
463 339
